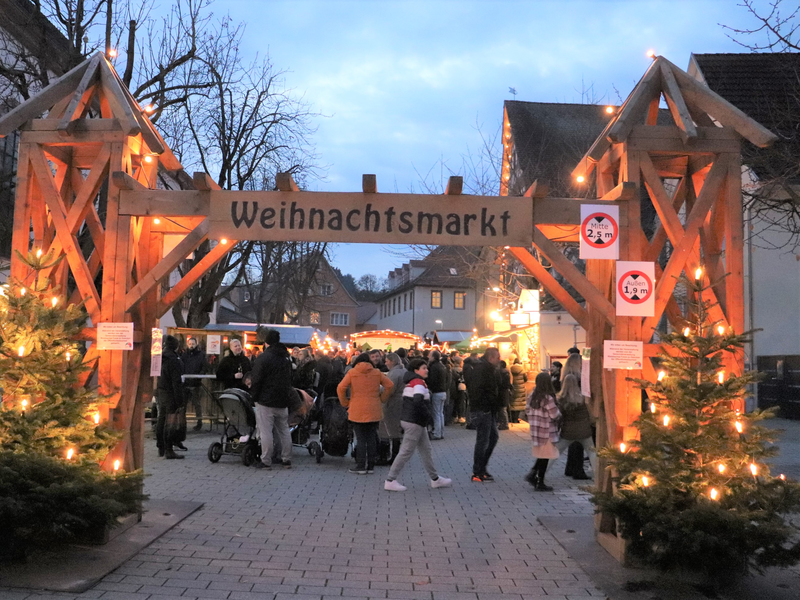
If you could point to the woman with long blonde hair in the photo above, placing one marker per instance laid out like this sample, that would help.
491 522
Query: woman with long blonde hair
576 425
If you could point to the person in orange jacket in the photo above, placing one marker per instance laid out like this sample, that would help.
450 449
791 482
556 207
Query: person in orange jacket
364 382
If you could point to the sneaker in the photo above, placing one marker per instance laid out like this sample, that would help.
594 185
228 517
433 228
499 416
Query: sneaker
441 482
286 464
477 478
180 446
357 471
394 486
541 487
370 471
488 477
199 426
169 454
261 465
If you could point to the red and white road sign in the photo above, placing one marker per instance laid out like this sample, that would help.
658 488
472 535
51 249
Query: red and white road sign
635 289
599 231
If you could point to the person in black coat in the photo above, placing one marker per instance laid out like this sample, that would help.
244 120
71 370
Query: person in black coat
437 384
271 389
169 397
483 387
194 363
234 367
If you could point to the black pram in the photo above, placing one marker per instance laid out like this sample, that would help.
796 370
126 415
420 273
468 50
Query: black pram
238 436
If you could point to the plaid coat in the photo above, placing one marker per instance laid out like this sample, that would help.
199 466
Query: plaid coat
543 421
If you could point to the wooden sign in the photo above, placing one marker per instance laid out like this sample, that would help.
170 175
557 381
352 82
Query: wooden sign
635 289
376 218
599 231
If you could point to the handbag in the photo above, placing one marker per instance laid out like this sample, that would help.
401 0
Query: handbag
175 427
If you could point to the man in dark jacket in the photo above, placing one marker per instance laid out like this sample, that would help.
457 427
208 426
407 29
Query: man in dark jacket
437 384
484 393
325 369
272 385
234 367
169 397
194 363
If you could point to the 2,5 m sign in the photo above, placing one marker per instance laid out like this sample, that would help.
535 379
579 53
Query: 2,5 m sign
377 218
599 231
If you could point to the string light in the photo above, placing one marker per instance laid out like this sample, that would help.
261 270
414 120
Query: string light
24 404
148 159
721 330
21 351
686 332
116 465
149 108
651 54
157 221
666 420
68 356
661 375
698 273
70 453
645 480
39 253
754 469
97 418
713 493
738 426
112 52
721 468
782 477
721 377
22 292
609 109
54 301
580 179
652 408
223 241
622 447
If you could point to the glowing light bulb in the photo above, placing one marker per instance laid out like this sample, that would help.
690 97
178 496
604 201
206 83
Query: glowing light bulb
686 332
721 377
661 375
68 356
645 481
754 469
149 108
495 289
70 453
713 493
157 221
721 468
112 52
97 418
21 351
39 253
782 477
609 109
622 447
666 420
223 241
116 465
580 179
738 426
721 330
54 301
651 54
22 292
148 159
24 403
652 408
698 274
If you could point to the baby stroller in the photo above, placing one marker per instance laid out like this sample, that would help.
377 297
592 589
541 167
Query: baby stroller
303 413
335 432
238 436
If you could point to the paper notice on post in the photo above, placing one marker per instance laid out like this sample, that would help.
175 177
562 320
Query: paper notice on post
622 355
115 336
212 344
155 352
586 388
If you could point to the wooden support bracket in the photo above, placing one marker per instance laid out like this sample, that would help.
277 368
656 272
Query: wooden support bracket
286 183
369 184
454 185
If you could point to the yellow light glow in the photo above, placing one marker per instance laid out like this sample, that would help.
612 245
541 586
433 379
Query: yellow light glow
22 292
666 420
713 493
149 108
698 274
651 54
738 426
754 469
157 221
622 447
686 332
782 477
661 375
495 316
112 53
116 465
721 330
39 253
652 408
495 289
68 356
721 468
24 403
70 453
609 109
54 301
97 418
721 377
223 241
148 159
580 179
645 481
21 351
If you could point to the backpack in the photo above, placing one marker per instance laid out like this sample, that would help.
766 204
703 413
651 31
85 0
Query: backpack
335 428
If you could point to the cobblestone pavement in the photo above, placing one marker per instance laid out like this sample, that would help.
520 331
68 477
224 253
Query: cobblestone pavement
317 532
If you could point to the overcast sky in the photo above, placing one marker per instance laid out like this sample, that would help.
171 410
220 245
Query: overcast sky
403 83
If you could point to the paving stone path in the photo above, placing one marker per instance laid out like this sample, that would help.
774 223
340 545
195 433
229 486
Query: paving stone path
316 532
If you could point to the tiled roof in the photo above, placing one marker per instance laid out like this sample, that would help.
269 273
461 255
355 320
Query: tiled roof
438 271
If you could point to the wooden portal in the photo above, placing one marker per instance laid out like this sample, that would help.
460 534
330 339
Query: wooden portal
94 134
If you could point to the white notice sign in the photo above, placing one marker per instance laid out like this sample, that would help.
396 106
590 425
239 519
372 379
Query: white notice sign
115 336
212 344
636 289
155 352
586 388
622 355
599 231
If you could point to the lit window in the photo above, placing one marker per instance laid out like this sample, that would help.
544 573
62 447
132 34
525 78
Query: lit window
341 319
314 317
459 300
436 299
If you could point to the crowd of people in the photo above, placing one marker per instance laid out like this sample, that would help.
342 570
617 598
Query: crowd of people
398 403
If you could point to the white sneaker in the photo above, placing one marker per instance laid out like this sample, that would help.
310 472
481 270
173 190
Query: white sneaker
394 486
441 482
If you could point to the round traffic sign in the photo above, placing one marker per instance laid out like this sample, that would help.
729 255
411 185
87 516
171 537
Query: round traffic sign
599 230
635 287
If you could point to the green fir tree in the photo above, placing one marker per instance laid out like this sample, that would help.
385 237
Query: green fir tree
52 487
695 490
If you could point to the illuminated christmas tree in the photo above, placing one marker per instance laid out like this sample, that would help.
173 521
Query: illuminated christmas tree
695 490
52 440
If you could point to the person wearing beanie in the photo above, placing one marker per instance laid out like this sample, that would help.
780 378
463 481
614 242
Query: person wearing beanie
417 415
169 398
